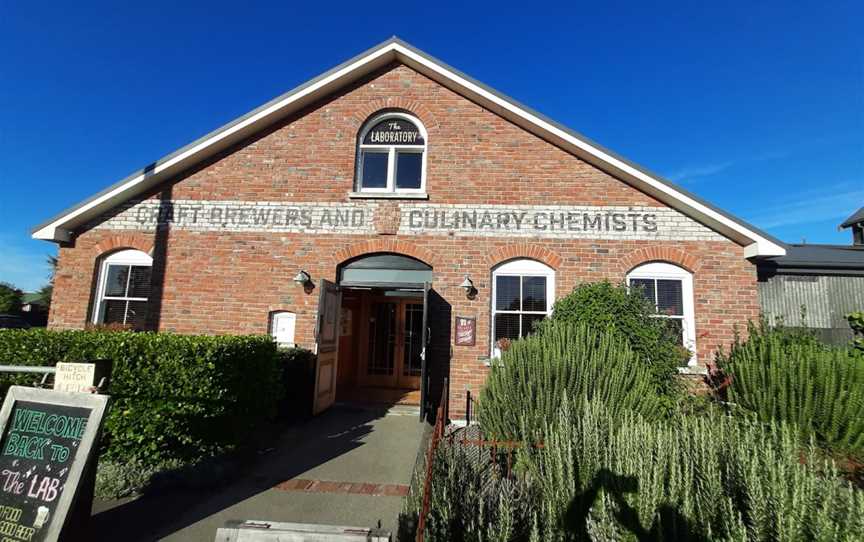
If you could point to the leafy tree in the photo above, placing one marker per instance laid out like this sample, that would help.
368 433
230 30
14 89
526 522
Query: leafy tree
47 291
625 312
10 298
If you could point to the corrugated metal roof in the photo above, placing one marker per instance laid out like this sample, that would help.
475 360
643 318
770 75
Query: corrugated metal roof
819 258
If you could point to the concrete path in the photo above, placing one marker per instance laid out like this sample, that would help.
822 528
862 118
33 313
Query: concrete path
347 466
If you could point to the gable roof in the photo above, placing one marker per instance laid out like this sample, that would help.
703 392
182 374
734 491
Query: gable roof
34 298
856 218
59 228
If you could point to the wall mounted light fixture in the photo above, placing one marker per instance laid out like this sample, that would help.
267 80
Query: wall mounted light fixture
302 278
468 286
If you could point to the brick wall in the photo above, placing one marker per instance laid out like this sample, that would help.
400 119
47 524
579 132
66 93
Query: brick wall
227 278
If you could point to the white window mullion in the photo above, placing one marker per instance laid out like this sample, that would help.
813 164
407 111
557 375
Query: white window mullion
519 316
391 169
656 297
126 294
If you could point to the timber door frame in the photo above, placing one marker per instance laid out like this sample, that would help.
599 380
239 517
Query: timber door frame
397 379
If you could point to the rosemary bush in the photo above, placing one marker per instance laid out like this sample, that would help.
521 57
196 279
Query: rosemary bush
469 500
694 478
610 477
623 311
818 388
535 375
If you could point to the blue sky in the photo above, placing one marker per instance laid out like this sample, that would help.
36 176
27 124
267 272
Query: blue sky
756 106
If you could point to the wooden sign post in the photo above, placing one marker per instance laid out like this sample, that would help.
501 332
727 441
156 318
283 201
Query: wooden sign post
49 439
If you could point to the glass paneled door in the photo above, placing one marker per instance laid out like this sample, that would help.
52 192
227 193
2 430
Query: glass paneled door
394 343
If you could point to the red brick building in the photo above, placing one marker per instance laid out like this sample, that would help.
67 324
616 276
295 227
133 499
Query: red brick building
391 191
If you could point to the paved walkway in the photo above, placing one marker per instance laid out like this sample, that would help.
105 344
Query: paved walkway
345 467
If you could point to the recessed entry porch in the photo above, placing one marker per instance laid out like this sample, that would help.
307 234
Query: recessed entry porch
383 329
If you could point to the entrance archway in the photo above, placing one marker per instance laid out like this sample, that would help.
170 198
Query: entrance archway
383 328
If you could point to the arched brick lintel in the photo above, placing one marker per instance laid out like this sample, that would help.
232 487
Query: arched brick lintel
525 250
121 241
396 102
660 254
386 245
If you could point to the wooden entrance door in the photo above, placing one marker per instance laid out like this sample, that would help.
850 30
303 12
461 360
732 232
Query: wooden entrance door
394 334
327 346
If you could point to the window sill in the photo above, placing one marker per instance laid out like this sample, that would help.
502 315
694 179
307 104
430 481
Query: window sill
697 370
388 195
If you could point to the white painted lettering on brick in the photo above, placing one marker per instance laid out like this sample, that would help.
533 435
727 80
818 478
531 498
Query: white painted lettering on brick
358 218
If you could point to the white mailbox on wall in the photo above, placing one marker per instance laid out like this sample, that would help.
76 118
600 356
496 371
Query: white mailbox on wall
282 325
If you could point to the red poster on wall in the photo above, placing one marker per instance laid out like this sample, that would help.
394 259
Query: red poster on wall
466 331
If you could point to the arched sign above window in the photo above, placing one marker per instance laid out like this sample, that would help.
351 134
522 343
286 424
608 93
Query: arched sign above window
394 131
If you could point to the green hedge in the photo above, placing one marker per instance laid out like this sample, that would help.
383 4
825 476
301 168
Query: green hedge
173 396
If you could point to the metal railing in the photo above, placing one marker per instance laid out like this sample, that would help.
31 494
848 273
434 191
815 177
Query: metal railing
27 369
437 434
470 405
500 457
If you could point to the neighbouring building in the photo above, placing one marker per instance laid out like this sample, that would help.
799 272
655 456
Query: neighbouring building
400 218
816 286
34 309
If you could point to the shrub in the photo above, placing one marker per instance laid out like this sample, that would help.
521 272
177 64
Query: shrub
796 380
625 312
118 479
173 396
468 501
605 476
856 322
695 478
535 375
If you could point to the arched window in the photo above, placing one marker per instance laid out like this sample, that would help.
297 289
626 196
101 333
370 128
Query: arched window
123 294
392 155
670 289
523 292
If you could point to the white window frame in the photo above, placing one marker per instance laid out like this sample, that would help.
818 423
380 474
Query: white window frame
123 257
668 271
391 151
519 268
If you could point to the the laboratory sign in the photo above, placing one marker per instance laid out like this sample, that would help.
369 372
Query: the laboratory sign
393 132
585 222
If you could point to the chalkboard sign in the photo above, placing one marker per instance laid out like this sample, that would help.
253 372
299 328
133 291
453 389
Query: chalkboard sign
48 437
